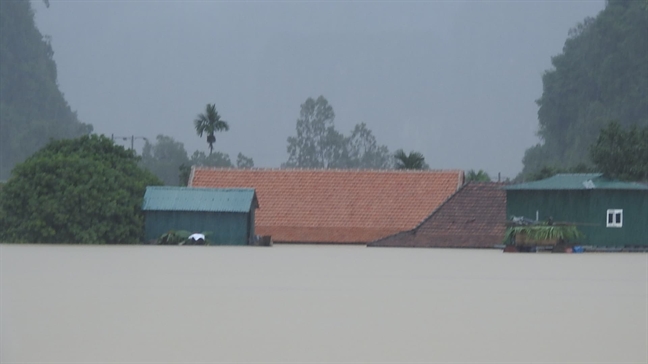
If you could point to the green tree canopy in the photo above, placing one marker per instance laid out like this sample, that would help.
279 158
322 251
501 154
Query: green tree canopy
217 159
622 154
209 123
319 145
601 75
479 176
164 158
198 158
413 160
244 162
362 150
32 108
86 190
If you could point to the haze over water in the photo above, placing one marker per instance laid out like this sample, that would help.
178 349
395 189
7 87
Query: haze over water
118 304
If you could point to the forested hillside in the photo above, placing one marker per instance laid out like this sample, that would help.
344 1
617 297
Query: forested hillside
32 108
601 76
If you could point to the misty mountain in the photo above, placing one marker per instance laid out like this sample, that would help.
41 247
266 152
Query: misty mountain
601 76
33 110
455 81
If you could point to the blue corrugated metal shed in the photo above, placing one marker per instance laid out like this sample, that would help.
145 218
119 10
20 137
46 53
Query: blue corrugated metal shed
227 213
162 198
578 181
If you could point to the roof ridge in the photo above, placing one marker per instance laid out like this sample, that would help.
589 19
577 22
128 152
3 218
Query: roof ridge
441 205
447 200
201 188
404 171
578 174
428 217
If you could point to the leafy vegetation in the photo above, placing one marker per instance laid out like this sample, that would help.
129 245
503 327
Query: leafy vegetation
32 108
601 75
622 154
164 158
542 234
617 153
209 123
479 176
319 145
243 161
86 190
363 152
413 160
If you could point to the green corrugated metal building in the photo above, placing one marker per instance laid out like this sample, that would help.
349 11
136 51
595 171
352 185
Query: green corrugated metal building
609 213
227 213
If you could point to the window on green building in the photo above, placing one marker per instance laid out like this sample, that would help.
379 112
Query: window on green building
614 218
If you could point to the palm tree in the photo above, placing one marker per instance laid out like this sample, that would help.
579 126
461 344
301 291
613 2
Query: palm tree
209 123
414 160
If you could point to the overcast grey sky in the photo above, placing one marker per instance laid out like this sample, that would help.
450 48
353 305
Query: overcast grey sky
456 81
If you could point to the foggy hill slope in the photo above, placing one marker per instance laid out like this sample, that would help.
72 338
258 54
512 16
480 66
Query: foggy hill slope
601 76
32 108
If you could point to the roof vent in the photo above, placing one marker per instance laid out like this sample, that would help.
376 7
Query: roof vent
589 184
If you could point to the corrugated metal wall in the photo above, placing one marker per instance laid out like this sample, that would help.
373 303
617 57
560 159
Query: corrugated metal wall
228 228
588 207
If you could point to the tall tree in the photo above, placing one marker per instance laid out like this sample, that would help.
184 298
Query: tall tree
164 158
32 108
244 162
413 160
363 151
209 123
317 143
601 75
622 154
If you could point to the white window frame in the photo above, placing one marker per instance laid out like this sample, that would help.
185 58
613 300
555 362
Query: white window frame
614 213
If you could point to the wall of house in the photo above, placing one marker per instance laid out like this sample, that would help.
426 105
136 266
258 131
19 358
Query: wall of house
589 208
227 228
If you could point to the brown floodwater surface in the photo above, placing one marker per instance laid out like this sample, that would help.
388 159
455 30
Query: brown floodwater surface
127 304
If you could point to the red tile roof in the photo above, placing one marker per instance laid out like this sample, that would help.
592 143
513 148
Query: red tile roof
336 206
472 218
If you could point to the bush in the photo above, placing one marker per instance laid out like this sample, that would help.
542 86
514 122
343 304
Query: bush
542 234
85 191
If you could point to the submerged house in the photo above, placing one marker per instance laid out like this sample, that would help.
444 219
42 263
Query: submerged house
473 217
336 206
610 213
229 214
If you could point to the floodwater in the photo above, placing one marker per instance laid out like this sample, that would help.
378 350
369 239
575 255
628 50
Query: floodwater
288 304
